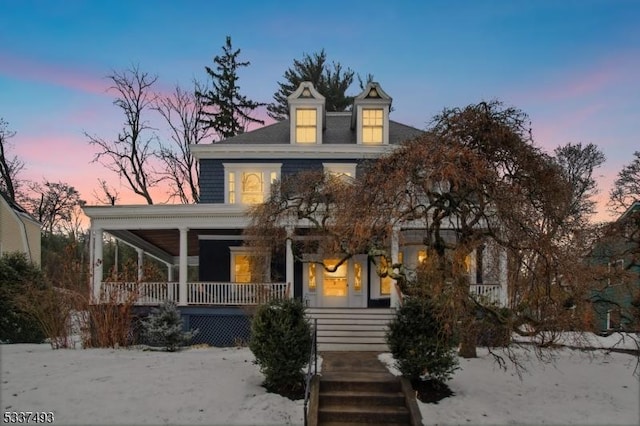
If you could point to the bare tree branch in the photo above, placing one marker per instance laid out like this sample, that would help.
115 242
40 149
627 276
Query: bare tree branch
181 112
10 167
131 153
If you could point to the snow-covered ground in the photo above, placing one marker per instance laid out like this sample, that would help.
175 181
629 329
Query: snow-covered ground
222 386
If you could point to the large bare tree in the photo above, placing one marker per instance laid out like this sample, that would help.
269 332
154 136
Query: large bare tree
626 188
10 166
54 205
181 111
130 154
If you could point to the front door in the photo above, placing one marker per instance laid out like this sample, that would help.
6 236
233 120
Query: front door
335 286
342 285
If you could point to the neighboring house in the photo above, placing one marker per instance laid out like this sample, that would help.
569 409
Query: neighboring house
614 297
19 231
238 172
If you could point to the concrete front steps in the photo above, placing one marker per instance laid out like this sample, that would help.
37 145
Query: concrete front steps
362 398
351 329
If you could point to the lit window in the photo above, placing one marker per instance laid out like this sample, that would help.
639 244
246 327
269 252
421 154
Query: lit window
385 282
357 277
372 125
252 190
250 183
312 277
335 283
242 268
232 188
422 256
306 123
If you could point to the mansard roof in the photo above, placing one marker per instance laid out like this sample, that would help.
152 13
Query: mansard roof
338 131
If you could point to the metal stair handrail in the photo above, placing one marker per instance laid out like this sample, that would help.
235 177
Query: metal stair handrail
313 359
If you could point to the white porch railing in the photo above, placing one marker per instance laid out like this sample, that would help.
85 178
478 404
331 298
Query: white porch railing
198 293
144 293
212 293
490 292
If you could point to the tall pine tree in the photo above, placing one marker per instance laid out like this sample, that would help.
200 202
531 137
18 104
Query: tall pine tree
226 111
330 80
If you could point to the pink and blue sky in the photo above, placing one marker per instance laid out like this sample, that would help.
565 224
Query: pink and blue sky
572 65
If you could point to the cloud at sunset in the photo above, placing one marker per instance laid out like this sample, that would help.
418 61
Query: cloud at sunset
21 68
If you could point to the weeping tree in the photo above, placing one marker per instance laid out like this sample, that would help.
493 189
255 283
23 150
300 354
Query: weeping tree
474 182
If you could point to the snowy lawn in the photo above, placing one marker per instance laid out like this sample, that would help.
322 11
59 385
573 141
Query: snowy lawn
222 386
580 388
130 386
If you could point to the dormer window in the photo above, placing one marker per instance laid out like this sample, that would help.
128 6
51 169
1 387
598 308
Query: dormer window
306 125
372 125
370 116
306 112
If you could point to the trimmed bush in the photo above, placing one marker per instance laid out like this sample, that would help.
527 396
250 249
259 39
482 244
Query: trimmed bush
163 327
421 347
281 342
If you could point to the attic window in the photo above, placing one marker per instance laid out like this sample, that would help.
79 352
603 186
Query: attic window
306 124
372 124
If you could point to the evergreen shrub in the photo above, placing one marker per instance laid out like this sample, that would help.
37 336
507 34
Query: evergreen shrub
281 343
419 343
163 327
17 274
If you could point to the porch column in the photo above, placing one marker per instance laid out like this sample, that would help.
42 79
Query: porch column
182 278
502 274
289 262
96 259
140 264
395 249
169 272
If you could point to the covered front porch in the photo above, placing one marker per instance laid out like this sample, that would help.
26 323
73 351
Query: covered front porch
182 237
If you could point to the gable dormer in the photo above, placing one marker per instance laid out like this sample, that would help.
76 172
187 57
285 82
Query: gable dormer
370 115
306 114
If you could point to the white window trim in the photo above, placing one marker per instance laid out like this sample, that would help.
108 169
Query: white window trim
385 123
318 107
616 264
238 168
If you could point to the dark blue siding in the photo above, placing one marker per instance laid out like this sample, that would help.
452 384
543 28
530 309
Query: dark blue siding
212 173
211 181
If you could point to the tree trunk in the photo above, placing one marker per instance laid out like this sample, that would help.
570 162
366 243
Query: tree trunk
468 341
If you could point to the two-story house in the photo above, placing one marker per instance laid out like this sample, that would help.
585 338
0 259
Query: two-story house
238 172
615 299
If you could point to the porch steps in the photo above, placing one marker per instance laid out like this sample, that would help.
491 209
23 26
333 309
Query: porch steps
349 329
356 389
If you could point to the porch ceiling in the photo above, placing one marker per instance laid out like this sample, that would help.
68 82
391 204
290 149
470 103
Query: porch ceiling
162 243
